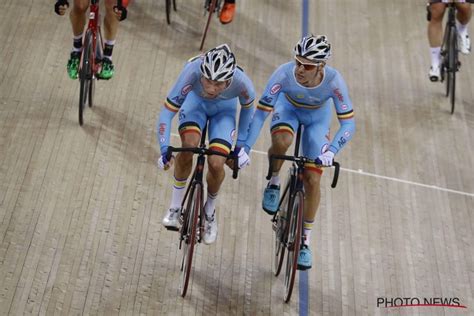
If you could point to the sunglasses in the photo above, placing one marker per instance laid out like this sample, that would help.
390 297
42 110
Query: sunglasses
307 66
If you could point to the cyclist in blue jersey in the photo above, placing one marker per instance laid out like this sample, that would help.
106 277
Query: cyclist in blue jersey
435 31
302 92
207 90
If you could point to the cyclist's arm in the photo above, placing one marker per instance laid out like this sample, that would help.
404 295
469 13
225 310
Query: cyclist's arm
173 102
265 105
246 99
345 114
163 125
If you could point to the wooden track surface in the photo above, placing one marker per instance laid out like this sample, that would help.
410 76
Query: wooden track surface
81 207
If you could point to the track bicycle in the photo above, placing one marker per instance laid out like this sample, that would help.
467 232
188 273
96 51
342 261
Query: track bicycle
287 223
449 53
92 55
192 213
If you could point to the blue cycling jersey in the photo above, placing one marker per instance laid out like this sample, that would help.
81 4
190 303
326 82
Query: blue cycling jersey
282 87
240 87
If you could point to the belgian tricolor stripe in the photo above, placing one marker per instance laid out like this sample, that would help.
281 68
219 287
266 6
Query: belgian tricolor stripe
346 115
264 107
282 128
220 145
302 105
189 127
312 167
171 106
246 106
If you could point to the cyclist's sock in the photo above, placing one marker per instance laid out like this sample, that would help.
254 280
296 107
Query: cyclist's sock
307 227
77 43
179 186
275 179
462 28
435 56
108 48
210 205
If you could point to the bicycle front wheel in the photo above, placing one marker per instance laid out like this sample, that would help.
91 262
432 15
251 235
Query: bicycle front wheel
280 232
188 233
85 74
293 243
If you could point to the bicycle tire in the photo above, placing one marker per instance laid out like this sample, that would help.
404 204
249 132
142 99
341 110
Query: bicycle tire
188 231
174 5
168 11
280 232
293 243
85 74
210 13
453 68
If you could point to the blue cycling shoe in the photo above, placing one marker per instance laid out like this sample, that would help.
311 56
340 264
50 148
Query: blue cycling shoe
305 258
271 198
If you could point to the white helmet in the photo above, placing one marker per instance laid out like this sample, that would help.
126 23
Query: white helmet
315 48
218 64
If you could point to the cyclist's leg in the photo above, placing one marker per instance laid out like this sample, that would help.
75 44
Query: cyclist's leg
78 21
192 120
315 142
221 133
111 22
283 127
435 37
463 17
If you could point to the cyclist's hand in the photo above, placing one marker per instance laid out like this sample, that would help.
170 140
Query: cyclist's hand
61 6
164 163
120 12
327 158
244 159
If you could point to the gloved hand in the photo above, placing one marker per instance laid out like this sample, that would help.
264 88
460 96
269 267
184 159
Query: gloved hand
244 159
121 11
61 6
326 158
164 163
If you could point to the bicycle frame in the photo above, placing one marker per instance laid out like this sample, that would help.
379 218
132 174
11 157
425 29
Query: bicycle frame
288 227
94 26
192 229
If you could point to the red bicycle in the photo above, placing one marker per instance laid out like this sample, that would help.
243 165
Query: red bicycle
92 52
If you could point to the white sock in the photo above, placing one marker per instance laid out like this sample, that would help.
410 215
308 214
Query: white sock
462 28
435 56
178 192
210 206
307 227
275 179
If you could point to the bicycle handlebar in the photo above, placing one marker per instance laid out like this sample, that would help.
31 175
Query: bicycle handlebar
303 160
206 151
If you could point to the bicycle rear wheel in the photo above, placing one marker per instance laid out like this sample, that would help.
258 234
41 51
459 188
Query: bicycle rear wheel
85 75
280 232
293 242
188 233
